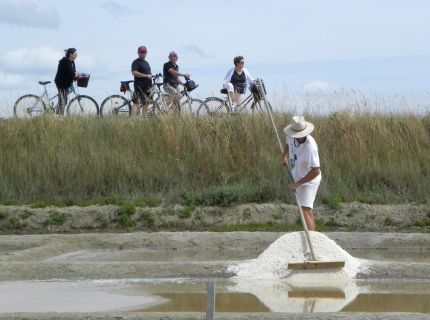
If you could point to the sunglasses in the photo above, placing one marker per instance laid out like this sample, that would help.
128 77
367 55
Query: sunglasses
142 51
241 62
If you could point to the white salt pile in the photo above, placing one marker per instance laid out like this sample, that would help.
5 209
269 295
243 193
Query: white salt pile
292 247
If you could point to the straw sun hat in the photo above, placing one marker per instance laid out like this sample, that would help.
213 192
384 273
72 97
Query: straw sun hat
299 128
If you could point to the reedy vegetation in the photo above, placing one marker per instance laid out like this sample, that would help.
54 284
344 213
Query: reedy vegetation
368 157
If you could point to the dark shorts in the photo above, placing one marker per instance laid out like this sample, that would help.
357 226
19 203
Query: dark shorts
239 88
141 94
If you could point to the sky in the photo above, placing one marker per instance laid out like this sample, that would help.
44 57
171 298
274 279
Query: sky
300 48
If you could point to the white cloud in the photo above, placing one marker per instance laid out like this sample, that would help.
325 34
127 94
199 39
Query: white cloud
316 86
11 80
115 9
29 13
42 59
88 63
194 51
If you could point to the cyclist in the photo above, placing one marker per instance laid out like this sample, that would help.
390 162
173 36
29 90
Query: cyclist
236 81
141 71
66 74
171 75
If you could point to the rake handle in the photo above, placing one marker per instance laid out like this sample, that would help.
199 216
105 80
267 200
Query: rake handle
290 175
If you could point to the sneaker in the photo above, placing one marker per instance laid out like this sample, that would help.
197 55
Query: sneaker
233 108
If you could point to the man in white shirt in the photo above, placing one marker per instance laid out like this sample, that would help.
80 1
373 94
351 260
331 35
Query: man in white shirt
301 154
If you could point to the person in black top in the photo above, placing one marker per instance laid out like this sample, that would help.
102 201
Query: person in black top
66 74
171 75
141 71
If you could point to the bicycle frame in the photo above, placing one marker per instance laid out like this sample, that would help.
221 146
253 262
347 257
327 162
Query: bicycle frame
154 97
243 104
30 105
49 100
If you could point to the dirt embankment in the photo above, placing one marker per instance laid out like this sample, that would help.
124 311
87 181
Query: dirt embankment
349 217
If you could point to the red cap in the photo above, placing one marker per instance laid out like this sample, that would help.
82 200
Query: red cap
142 49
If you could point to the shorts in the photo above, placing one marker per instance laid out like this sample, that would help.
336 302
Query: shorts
141 94
306 194
173 91
238 96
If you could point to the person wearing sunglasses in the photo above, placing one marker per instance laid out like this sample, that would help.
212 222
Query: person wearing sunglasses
141 71
236 81
171 75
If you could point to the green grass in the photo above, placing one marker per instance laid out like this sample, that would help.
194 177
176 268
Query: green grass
186 212
125 213
148 218
142 201
230 194
16 223
43 203
10 202
55 218
269 226
388 221
52 161
422 224
334 201
25 215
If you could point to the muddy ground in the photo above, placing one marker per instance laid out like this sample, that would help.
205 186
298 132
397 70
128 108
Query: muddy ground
220 316
50 256
349 217
33 237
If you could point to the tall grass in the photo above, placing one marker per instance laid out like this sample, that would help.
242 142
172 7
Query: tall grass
82 158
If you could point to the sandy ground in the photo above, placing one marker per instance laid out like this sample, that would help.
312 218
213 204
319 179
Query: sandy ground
60 256
27 257
219 316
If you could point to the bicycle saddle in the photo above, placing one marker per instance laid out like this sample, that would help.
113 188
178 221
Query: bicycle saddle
224 91
44 82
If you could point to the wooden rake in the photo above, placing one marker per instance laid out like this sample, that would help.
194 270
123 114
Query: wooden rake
314 263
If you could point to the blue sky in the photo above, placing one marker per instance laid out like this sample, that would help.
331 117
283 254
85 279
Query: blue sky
296 46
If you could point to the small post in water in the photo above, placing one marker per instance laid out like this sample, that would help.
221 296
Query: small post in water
210 301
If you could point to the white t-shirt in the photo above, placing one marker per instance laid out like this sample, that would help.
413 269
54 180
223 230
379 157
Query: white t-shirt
303 158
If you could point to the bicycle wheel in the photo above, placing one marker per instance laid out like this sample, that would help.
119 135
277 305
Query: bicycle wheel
167 103
83 106
212 106
259 107
28 106
191 106
115 105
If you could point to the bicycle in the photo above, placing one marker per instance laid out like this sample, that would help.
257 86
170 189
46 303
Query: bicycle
30 105
216 106
159 102
190 105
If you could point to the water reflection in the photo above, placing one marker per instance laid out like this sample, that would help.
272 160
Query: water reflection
189 295
268 296
196 302
390 302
